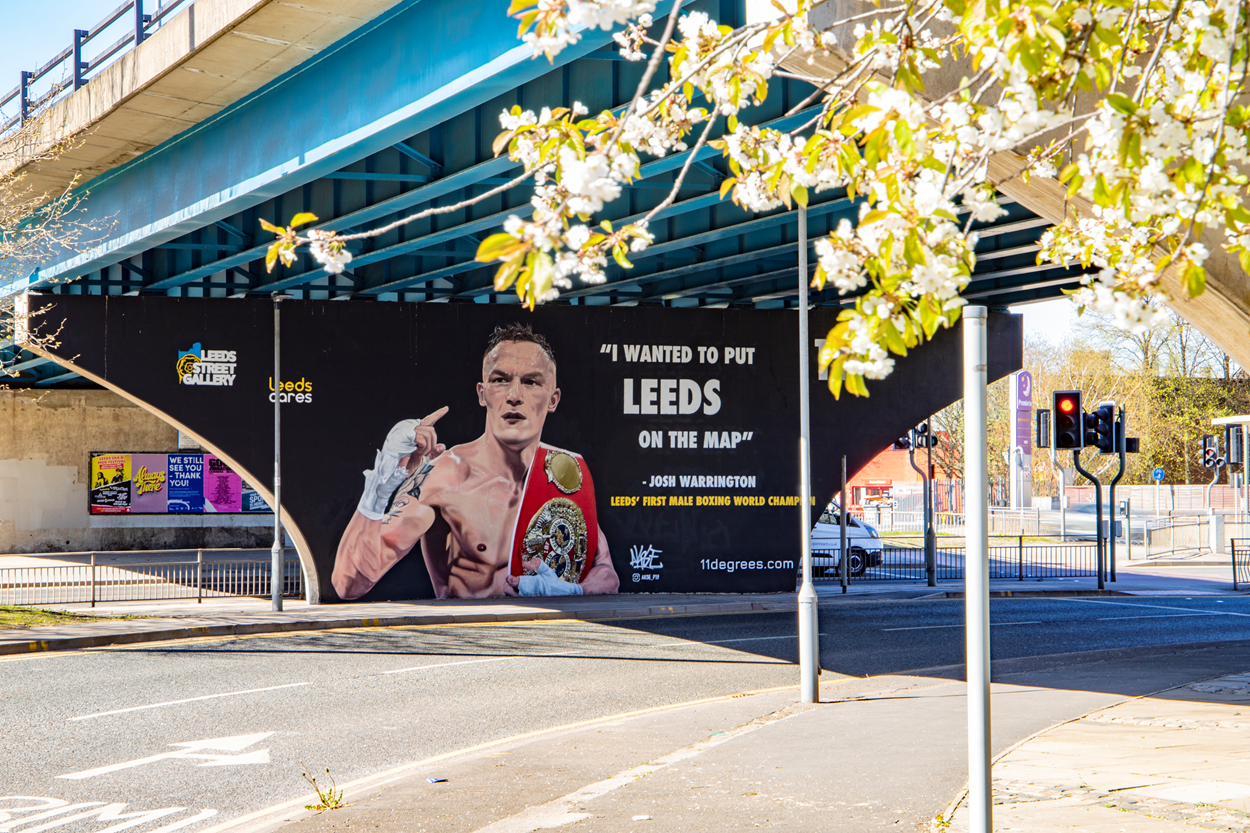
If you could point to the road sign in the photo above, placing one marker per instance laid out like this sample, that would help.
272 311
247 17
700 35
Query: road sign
1157 474
193 749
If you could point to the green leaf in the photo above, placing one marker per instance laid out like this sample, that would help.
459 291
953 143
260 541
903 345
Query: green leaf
1194 279
268 226
835 377
1244 257
303 217
726 186
893 340
618 254
800 194
904 136
497 247
1121 103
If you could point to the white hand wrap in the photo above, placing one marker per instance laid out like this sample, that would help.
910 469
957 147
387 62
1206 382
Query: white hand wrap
386 475
547 583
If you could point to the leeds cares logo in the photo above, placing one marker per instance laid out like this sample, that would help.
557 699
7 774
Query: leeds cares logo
205 367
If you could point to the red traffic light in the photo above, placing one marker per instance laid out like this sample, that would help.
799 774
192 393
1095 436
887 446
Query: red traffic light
1067 405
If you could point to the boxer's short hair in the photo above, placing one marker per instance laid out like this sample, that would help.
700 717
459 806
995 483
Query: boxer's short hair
517 332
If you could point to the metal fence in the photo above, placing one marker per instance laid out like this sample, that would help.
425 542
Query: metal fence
127 577
1010 558
73 63
1002 521
1239 549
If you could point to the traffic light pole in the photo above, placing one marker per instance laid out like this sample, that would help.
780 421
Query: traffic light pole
1118 434
930 540
1076 461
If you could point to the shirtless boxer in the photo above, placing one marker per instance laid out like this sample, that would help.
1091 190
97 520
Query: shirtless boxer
462 503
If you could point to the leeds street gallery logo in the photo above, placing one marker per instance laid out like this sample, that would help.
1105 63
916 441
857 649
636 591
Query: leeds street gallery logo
205 367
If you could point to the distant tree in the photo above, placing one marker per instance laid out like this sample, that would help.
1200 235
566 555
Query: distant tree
34 225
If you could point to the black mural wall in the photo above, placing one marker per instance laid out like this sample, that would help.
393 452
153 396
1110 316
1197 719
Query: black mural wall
722 385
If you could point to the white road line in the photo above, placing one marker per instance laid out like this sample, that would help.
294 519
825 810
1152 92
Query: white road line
1156 607
568 809
1156 616
935 627
446 664
188 700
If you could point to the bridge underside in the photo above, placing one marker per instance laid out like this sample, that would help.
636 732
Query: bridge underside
189 210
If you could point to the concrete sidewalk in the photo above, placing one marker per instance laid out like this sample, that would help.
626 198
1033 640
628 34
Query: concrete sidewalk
132 622
1161 764
877 754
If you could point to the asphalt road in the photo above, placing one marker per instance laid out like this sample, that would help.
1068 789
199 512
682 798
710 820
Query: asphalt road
144 726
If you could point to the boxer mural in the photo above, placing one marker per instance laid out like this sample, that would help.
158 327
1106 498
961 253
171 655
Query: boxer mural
503 515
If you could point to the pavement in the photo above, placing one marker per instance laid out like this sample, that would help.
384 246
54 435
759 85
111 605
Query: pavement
1137 740
1105 743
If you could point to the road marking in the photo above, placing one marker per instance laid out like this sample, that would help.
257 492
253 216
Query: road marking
446 664
264 819
935 627
1156 616
192 749
561 811
1156 607
188 700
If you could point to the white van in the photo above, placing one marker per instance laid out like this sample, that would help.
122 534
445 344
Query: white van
862 542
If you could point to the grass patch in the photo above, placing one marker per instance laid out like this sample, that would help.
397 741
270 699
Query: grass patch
12 616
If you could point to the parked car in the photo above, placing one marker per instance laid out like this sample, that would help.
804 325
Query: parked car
863 543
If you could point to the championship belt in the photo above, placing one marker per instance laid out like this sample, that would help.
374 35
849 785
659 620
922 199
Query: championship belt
557 522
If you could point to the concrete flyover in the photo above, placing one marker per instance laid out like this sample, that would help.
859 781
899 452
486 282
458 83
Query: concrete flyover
201 61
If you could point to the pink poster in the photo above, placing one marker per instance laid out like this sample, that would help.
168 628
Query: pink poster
223 489
149 492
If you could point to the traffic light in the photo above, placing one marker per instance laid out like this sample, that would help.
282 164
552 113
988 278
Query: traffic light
902 444
1210 451
1233 450
1100 428
1067 411
1043 429
921 438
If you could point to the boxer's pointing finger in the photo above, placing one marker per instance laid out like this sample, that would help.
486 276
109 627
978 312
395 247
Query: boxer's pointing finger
436 416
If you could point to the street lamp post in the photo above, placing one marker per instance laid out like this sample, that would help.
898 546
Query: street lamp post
277 568
977 565
809 647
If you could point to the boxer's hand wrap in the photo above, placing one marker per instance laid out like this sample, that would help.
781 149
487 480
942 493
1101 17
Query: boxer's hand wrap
547 583
387 475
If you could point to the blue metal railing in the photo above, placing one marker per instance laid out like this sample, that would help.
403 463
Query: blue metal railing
80 68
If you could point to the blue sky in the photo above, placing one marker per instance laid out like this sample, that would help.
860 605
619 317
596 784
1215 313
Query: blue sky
35 31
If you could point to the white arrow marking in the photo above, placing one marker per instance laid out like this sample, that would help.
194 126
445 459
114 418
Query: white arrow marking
193 749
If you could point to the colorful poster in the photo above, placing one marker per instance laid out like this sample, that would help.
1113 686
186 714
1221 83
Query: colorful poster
223 489
251 500
149 489
186 483
110 484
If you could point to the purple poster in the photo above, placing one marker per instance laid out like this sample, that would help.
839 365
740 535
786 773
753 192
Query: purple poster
149 489
223 489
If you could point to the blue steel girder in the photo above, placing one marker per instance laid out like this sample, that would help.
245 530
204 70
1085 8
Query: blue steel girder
658 167
412 70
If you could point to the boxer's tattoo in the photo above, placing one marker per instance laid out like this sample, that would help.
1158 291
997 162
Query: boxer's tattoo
408 491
